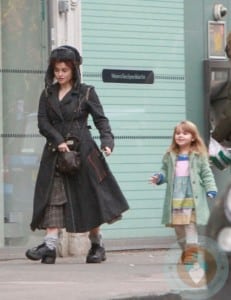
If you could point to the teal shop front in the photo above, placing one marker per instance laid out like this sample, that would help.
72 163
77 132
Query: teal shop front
137 35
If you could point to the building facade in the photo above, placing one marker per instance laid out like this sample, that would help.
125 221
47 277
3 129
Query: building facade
145 59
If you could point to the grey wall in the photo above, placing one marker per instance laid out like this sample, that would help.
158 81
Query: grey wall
197 14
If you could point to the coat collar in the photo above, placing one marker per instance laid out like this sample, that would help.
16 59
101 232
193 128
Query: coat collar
174 155
53 98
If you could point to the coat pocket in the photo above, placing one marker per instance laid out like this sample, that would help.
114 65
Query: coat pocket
97 163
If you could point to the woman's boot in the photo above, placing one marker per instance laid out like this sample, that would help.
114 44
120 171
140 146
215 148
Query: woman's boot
43 253
97 252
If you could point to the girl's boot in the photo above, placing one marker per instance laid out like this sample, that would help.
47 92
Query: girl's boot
190 254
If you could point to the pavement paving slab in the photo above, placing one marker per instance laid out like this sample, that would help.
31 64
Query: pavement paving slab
125 275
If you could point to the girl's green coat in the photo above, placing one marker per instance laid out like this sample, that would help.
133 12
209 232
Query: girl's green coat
202 181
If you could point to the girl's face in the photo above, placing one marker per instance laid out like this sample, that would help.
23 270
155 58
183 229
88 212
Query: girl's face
183 138
63 73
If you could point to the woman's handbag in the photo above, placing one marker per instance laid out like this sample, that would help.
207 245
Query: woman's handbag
68 162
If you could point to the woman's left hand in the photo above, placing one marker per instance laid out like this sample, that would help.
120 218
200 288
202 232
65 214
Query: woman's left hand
106 151
63 147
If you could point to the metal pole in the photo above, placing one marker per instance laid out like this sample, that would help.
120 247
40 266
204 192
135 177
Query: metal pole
1 151
51 6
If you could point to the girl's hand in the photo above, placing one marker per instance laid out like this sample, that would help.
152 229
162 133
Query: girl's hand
106 151
63 148
212 194
154 179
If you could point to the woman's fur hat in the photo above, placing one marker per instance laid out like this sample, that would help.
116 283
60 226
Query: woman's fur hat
62 54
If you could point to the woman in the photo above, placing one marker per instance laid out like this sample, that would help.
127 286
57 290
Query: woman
91 197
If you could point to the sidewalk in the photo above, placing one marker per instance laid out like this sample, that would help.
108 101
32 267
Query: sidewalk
124 275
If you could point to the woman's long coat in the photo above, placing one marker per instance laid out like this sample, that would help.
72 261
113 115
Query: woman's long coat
202 181
94 196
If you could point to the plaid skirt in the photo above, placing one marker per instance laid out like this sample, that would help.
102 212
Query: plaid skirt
54 212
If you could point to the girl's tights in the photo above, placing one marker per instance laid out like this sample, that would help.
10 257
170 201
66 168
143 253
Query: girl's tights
186 234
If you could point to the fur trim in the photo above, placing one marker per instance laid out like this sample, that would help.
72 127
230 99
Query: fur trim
64 53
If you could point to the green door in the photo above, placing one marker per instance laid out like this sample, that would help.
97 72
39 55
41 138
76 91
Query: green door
137 35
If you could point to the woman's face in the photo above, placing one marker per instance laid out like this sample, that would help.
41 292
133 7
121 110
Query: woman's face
63 73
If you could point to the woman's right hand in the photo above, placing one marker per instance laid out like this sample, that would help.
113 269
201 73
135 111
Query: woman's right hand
63 148
154 179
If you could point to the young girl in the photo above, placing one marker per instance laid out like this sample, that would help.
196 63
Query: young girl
186 170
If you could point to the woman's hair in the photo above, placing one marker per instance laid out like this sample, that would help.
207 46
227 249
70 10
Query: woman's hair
70 56
197 144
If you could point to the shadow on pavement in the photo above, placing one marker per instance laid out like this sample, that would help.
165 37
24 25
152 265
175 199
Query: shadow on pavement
152 297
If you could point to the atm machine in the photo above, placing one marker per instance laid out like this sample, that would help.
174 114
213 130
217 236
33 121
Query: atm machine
217 104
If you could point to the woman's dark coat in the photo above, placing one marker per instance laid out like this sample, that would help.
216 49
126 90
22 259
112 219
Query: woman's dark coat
94 196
